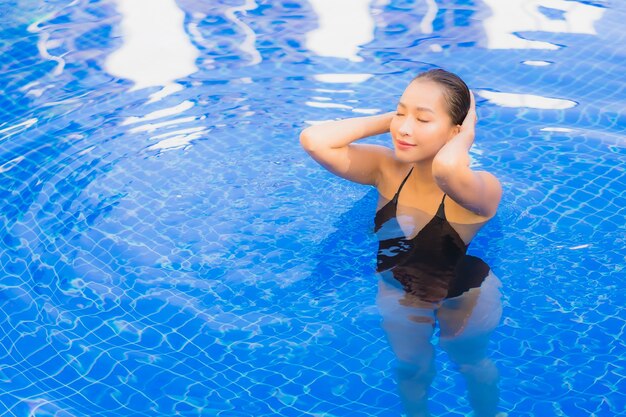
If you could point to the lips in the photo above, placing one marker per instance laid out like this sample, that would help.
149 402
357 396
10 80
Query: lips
404 145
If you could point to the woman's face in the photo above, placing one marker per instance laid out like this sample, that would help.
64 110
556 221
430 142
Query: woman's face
422 124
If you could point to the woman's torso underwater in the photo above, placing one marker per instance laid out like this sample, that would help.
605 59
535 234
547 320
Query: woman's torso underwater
422 246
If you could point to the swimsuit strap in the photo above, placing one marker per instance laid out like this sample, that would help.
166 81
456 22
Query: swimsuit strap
395 197
440 211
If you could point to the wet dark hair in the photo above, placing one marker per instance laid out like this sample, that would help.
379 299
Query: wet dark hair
455 92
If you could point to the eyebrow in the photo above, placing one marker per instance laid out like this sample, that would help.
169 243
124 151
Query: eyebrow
418 108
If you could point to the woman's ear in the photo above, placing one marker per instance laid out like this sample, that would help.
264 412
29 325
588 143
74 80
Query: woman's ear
455 131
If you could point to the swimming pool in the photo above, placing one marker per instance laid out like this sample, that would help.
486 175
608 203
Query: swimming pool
169 248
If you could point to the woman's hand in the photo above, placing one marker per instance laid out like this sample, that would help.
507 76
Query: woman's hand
477 191
458 146
468 127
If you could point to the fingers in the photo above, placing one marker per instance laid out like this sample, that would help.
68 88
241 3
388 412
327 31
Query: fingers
471 115
473 107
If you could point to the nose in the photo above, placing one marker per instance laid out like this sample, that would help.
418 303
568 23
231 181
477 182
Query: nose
406 127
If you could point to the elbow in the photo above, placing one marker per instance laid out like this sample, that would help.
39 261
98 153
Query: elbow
305 140
442 171
308 141
446 166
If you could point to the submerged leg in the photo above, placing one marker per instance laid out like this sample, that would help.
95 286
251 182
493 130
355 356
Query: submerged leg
480 373
414 379
467 322
409 330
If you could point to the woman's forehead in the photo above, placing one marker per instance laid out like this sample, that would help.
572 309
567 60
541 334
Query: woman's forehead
423 94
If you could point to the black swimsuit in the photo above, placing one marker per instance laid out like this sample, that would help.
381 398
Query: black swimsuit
433 265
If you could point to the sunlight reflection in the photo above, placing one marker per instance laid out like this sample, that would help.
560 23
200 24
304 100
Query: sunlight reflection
512 16
556 129
426 25
185 105
525 100
338 36
536 63
44 44
248 43
342 78
156 50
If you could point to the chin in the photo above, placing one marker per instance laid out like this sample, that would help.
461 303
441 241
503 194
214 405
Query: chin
402 156
408 157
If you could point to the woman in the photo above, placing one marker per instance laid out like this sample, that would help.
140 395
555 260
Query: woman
425 274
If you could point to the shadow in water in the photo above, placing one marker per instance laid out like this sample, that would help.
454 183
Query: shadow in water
347 253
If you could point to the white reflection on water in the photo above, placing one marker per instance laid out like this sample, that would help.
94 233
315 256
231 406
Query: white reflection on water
248 43
342 78
525 100
44 44
323 102
337 36
535 63
156 49
511 16
426 25
157 114
556 129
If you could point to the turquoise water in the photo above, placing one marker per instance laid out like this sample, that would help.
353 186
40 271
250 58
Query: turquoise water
168 248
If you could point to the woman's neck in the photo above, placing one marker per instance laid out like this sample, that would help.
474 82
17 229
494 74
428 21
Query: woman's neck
422 180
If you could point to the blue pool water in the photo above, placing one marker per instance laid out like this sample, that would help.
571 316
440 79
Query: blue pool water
168 248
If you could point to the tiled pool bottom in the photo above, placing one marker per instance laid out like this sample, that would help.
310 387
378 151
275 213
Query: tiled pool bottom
170 351
152 270
232 346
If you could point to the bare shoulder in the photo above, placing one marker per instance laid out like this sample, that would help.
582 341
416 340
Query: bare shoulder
362 158
393 172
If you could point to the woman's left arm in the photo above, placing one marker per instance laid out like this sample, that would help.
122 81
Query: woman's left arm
477 191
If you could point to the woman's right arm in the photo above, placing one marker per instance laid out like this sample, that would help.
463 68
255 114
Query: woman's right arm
330 144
